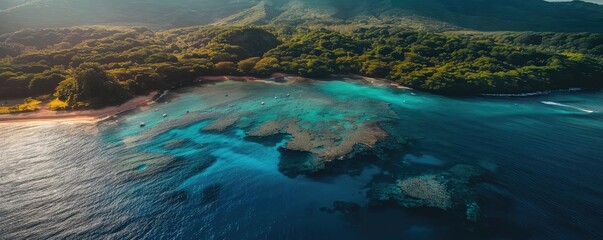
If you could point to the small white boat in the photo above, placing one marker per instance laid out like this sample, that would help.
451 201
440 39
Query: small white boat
275 98
263 103
142 124
165 115
288 95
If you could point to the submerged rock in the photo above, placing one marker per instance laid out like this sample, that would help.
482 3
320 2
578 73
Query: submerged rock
294 163
178 143
149 165
465 172
346 207
222 123
343 207
202 164
423 160
472 212
177 197
211 193
383 192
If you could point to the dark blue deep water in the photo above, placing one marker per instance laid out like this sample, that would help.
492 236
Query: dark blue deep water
186 177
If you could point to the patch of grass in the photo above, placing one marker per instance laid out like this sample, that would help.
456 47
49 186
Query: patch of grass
28 105
57 104
4 110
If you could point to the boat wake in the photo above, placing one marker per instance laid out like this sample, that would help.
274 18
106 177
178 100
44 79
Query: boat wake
567 106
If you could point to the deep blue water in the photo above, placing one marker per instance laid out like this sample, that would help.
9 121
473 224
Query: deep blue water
172 180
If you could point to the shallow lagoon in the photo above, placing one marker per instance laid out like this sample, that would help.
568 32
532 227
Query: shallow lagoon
234 168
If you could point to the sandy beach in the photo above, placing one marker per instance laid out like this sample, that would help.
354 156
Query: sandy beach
249 78
45 114
296 78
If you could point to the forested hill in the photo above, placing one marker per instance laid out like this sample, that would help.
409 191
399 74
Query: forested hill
488 15
92 67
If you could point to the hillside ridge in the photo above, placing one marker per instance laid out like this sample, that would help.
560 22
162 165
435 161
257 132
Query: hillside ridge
440 15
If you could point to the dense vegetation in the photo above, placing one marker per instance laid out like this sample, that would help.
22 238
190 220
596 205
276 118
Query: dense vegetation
491 15
90 67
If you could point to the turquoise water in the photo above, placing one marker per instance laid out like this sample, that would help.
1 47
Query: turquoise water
223 166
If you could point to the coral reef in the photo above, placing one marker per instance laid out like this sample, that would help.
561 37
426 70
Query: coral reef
446 190
326 143
321 124
267 129
425 190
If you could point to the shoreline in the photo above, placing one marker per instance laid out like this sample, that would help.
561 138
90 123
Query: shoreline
269 79
377 81
530 94
96 115
289 78
89 116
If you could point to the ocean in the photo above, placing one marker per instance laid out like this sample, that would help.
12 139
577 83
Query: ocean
308 160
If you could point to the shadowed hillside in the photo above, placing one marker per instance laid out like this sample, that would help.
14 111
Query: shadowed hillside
489 15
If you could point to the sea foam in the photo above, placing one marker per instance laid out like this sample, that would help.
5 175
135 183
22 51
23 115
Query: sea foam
567 106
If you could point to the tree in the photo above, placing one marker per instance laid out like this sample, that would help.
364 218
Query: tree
226 68
375 68
45 82
89 83
247 65
266 66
